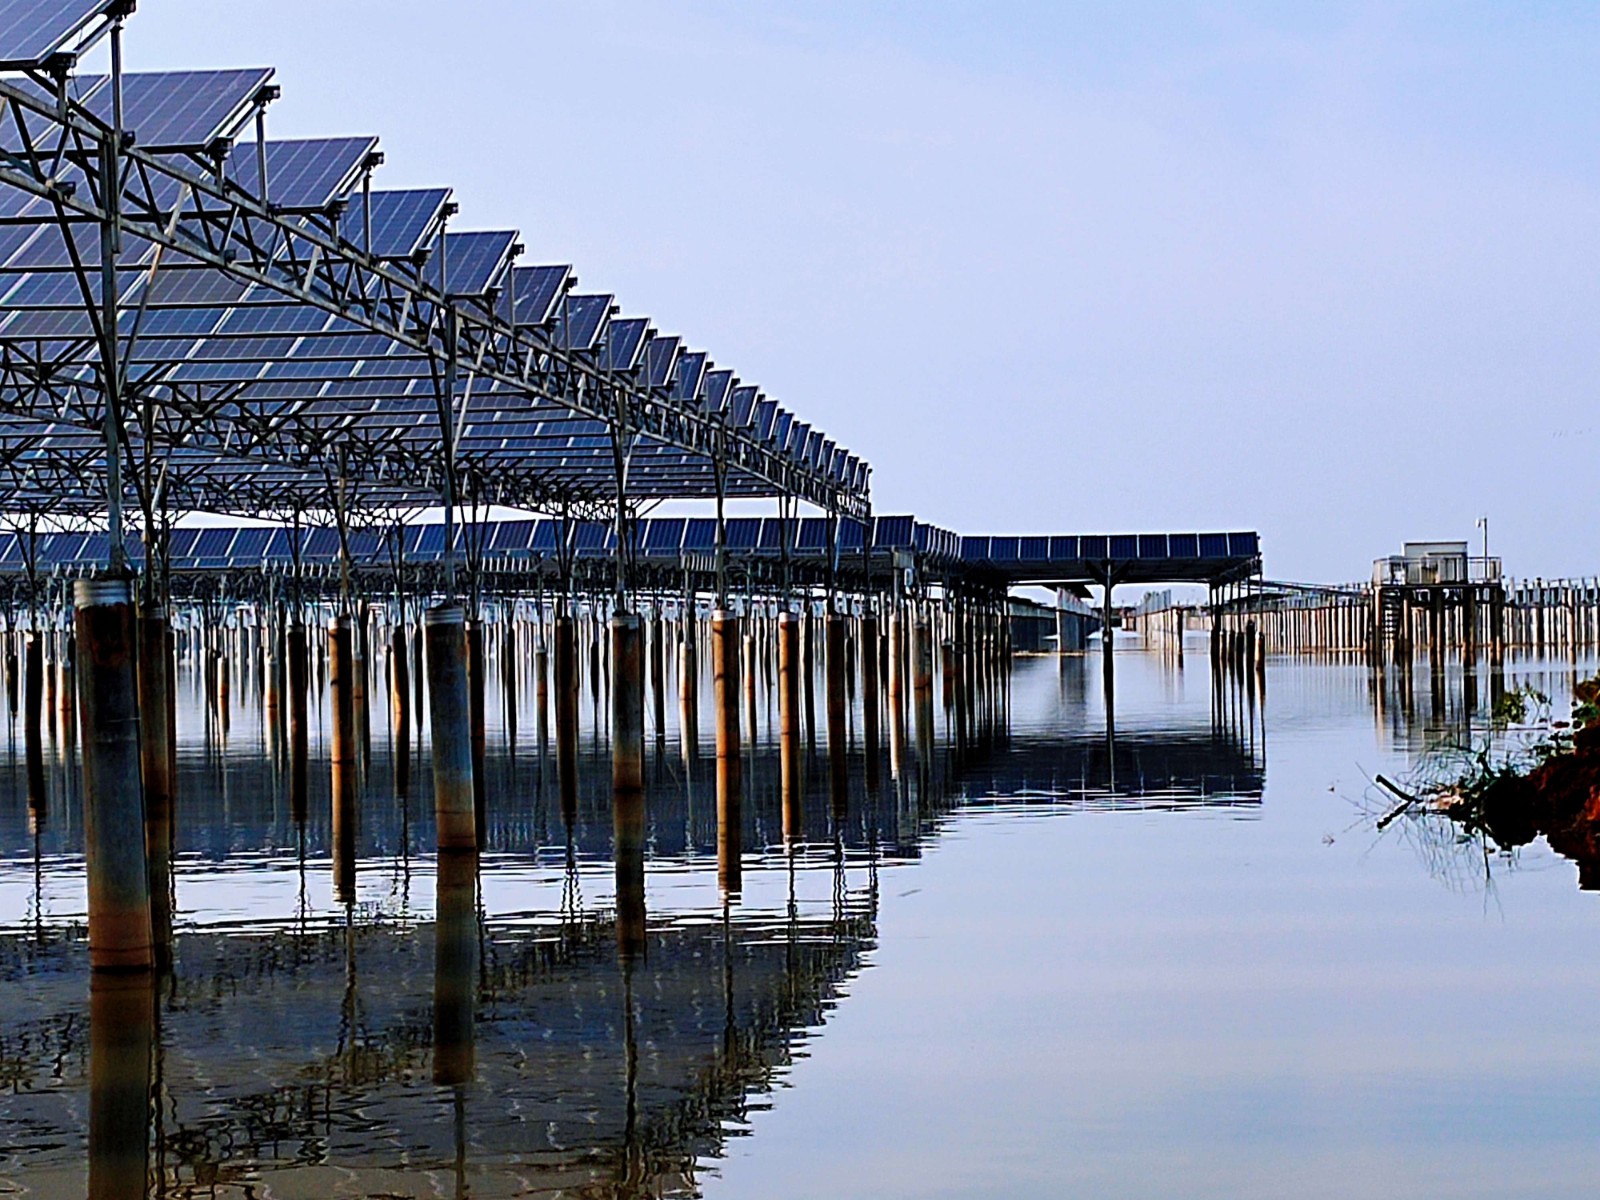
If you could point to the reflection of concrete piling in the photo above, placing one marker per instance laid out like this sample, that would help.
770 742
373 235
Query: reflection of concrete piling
869 698
627 778
838 750
446 634
119 880
567 716
341 688
658 676
455 967
477 726
725 652
122 1016
155 769
789 725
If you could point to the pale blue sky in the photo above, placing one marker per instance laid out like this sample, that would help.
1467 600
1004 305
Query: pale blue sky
1327 271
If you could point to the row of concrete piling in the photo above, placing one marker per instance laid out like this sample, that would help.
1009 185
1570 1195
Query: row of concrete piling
122 666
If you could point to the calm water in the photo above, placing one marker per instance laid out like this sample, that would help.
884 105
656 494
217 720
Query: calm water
1180 962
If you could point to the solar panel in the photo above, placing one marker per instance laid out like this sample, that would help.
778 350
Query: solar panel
691 372
624 339
183 110
661 360
32 30
744 401
306 174
537 289
718 384
580 320
401 221
472 263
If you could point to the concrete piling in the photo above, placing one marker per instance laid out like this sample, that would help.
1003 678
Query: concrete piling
445 628
114 834
725 654
627 780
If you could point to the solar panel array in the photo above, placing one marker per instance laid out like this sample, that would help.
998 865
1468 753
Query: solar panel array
240 390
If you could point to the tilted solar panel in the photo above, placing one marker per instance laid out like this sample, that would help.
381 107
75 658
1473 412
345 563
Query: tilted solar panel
718 384
580 320
473 262
32 30
537 289
183 110
624 340
661 361
402 221
691 374
303 175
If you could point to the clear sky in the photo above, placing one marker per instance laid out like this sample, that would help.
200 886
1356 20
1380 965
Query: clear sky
1326 271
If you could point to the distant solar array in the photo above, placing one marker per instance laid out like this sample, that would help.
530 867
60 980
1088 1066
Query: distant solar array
676 538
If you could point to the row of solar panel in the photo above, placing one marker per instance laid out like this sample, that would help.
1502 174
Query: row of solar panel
1117 547
188 111
659 537
664 537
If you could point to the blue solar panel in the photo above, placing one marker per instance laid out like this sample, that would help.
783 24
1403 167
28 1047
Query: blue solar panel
1124 545
664 535
544 538
32 30
1063 549
893 533
401 221
624 341
813 535
774 533
181 542
744 533
1183 545
510 536
1092 548
852 536
1152 545
1003 549
744 402
1034 549
700 535
304 175
1213 545
536 290
580 320
716 390
213 543
1243 545
183 110
691 374
250 545
321 544
430 541
589 538
661 361
472 262
974 549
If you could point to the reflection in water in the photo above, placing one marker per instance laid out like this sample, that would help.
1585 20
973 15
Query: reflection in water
557 1037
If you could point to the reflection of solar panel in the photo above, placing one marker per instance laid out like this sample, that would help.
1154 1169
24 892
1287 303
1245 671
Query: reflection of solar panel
32 30
402 220
183 110
473 262
307 174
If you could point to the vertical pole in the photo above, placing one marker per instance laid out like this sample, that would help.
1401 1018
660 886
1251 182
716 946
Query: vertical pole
122 1013
838 750
789 725
725 650
156 775
869 697
114 835
627 780
567 716
446 634
341 690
